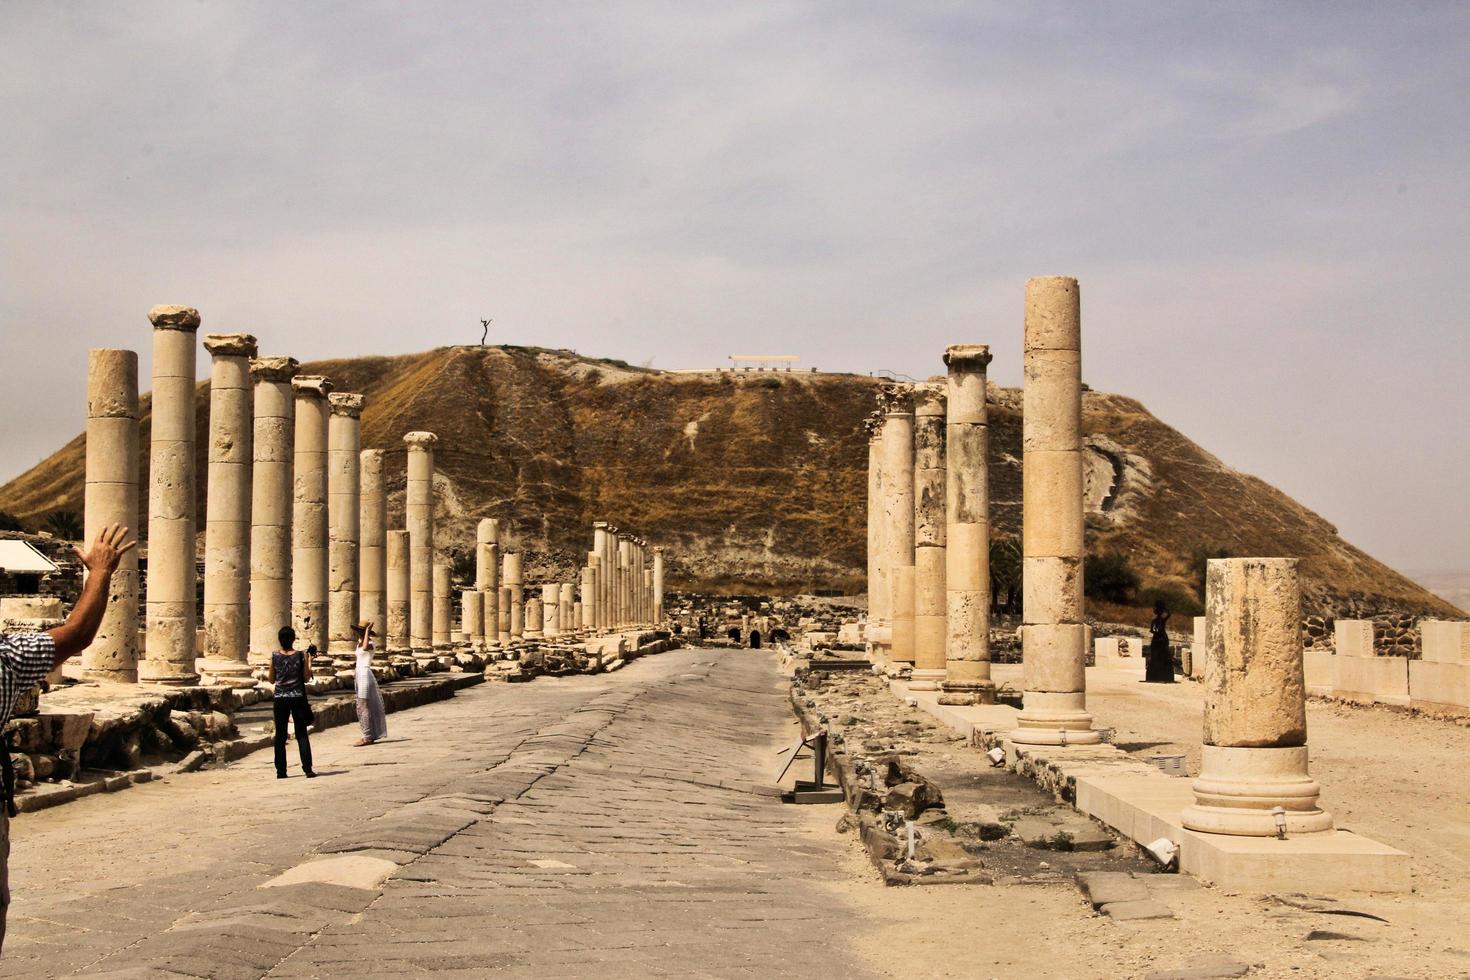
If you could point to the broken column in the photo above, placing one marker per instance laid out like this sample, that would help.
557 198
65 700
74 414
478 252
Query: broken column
111 497
502 612
930 601
510 574
419 516
967 532
1254 757
658 585
271 501
589 592
472 617
551 611
398 590
172 580
227 508
487 577
309 513
1053 634
898 470
534 618
344 518
567 624
439 627
372 552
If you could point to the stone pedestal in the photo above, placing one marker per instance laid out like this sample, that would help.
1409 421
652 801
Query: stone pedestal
419 516
898 471
172 620
227 510
1254 757
400 600
930 601
967 533
344 518
271 494
487 577
440 626
658 585
372 551
111 497
1053 633
309 514
472 617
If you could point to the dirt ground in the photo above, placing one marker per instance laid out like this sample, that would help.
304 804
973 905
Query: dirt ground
1388 775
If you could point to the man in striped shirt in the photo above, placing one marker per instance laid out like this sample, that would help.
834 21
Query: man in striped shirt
25 658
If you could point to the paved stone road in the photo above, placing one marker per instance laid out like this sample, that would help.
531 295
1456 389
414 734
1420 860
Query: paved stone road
594 826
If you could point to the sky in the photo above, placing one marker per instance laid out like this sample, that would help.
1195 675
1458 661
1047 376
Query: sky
1265 204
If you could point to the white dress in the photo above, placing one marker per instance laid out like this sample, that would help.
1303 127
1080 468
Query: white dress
370 714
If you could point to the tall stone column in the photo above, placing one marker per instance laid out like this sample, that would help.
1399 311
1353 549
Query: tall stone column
472 617
898 465
439 627
599 548
930 599
487 577
399 592
1053 633
588 618
172 580
112 498
658 585
967 534
1255 738
647 596
419 515
309 513
551 611
879 632
640 603
271 502
344 518
227 508
372 552
593 602
503 612
510 573
567 623
625 580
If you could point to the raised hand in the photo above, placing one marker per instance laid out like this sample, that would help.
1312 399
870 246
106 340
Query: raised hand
107 550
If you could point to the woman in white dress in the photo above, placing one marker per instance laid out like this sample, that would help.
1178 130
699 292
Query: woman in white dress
370 713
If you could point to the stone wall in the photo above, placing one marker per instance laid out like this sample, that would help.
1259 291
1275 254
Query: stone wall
1394 634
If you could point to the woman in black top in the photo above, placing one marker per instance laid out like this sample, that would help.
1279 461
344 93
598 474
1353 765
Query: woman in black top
1159 668
290 670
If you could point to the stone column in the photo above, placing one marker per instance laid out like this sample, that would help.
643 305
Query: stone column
967 534
309 514
503 610
172 580
227 508
472 617
1255 738
599 549
568 622
898 468
534 618
593 602
487 577
1053 633
372 553
344 518
550 611
647 596
658 585
271 496
439 627
399 592
640 602
930 599
588 618
419 513
111 497
625 580
880 591
511 576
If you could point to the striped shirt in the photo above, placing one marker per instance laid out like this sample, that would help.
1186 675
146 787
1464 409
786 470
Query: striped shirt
25 658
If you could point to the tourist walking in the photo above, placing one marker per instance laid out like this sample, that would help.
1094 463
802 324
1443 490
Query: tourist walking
1159 661
25 658
370 714
290 670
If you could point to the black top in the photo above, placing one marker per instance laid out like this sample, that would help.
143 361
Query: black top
290 671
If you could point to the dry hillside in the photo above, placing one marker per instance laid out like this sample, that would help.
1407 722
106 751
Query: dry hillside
757 481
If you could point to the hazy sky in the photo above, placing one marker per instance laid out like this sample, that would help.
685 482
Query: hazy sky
1266 203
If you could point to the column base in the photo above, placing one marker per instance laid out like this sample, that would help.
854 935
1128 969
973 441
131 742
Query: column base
1050 718
233 673
1239 787
974 692
111 676
927 679
167 674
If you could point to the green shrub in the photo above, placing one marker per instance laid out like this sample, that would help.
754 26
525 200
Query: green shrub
1110 578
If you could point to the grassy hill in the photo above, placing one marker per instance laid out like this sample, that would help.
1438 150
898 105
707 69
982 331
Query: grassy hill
757 482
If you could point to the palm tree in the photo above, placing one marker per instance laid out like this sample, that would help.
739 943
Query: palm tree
66 525
1005 574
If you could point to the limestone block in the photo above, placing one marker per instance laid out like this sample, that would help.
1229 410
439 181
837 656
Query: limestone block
1353 637
1053 313
1440 686
173 426
112 447
1255 693
1384 680
965 383
1052 504
1052 401
112 384
1052 589
1445 641
1319 671
967 484
1055 657
967 558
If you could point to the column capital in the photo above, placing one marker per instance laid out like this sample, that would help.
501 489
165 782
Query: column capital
169 317
930 399
600 525
230 344
897 399
658 549
967 357
273 368
420 440
311 386
345 403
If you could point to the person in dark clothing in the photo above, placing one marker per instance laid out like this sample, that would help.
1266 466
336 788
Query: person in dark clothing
290 670
1159 666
